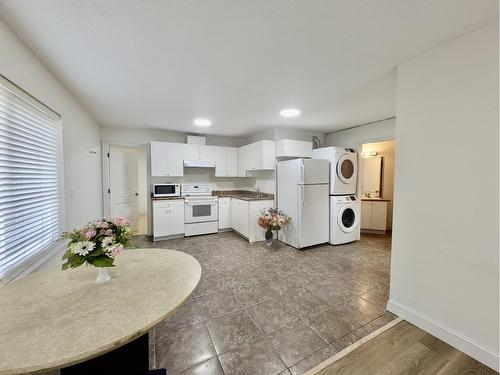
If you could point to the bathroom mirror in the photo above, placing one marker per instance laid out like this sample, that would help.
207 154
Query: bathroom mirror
372 177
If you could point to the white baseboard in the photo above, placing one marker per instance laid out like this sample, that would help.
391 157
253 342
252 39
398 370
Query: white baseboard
447 335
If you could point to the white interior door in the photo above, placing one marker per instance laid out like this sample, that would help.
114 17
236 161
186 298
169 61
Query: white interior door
123 183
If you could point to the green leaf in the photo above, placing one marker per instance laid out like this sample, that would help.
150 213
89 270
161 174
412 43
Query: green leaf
76 261
67 254
102 261
96 253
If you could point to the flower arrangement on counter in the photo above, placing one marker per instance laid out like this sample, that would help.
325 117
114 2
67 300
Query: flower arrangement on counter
272 219
98 243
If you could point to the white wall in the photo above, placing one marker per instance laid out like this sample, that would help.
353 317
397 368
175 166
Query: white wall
355 136
142 176
136 137
445 258
386 151
275 134
82 172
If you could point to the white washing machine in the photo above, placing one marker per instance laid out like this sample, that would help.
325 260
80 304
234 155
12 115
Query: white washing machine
343 168
345 219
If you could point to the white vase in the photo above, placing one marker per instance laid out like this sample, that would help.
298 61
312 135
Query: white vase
102 275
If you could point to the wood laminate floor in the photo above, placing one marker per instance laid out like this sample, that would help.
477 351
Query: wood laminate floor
406 349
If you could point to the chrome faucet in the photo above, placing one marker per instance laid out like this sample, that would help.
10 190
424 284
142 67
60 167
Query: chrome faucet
259 192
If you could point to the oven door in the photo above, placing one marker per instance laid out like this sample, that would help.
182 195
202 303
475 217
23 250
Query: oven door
198 211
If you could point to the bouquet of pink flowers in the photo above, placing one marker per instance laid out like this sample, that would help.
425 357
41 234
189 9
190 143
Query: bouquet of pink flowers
98 243
273 219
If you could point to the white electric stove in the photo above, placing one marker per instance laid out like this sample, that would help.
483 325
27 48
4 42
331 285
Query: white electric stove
200 209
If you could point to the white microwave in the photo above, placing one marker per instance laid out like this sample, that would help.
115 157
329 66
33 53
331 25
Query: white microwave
166 190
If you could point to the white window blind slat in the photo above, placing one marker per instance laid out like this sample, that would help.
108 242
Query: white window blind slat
30 201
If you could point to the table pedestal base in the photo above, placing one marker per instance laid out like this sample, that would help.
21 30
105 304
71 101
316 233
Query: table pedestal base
131 358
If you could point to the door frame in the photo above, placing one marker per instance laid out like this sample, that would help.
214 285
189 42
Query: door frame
106 198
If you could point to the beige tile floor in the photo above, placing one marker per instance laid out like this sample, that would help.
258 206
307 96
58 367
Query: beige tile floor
261 310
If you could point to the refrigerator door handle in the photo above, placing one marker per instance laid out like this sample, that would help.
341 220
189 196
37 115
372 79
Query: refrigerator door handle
301 195
302 173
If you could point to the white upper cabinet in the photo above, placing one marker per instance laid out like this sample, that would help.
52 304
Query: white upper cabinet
175 156
167 159
191 151
242 161
209 153
231 161
219 157
260 156
226 161
158 159
290 148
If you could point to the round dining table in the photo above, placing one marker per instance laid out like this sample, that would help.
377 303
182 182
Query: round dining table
64 320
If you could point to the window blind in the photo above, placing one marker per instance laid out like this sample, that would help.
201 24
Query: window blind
30 205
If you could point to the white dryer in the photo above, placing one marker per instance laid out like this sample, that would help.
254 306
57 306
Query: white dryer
343 168
345 219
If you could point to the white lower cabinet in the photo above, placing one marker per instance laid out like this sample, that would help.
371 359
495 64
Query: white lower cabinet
224 213
373 215
239 216
244 215
168 218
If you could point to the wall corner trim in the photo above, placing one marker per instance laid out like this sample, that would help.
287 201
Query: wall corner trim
447 335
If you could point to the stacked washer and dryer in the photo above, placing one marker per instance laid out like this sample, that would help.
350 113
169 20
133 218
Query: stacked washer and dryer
344 204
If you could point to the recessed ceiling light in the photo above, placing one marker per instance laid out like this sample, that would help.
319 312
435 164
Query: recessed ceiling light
202 122
289 112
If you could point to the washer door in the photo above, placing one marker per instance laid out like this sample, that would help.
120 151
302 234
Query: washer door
348 218
346 168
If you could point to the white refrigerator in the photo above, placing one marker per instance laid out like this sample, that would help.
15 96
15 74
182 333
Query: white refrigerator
303 194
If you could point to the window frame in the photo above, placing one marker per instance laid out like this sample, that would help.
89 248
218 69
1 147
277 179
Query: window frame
39 258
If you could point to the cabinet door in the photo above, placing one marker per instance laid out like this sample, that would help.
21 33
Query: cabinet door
161 219
191 152
220 161
366 215
234 214
242 161
243 218
224 213
176 216
208 153
158 159
231 162
379 215
253 156
304 149
267 155
175 159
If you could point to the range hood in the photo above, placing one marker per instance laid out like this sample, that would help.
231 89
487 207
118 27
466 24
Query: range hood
199 164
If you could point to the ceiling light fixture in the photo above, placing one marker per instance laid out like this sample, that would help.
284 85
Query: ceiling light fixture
289 112
202 122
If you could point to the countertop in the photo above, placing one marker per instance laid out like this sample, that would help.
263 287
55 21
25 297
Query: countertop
166 198
52 319
375 199
245 195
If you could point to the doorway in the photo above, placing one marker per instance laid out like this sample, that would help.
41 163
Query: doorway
376 186
125 182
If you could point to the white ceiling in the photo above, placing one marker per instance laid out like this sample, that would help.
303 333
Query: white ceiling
159 64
